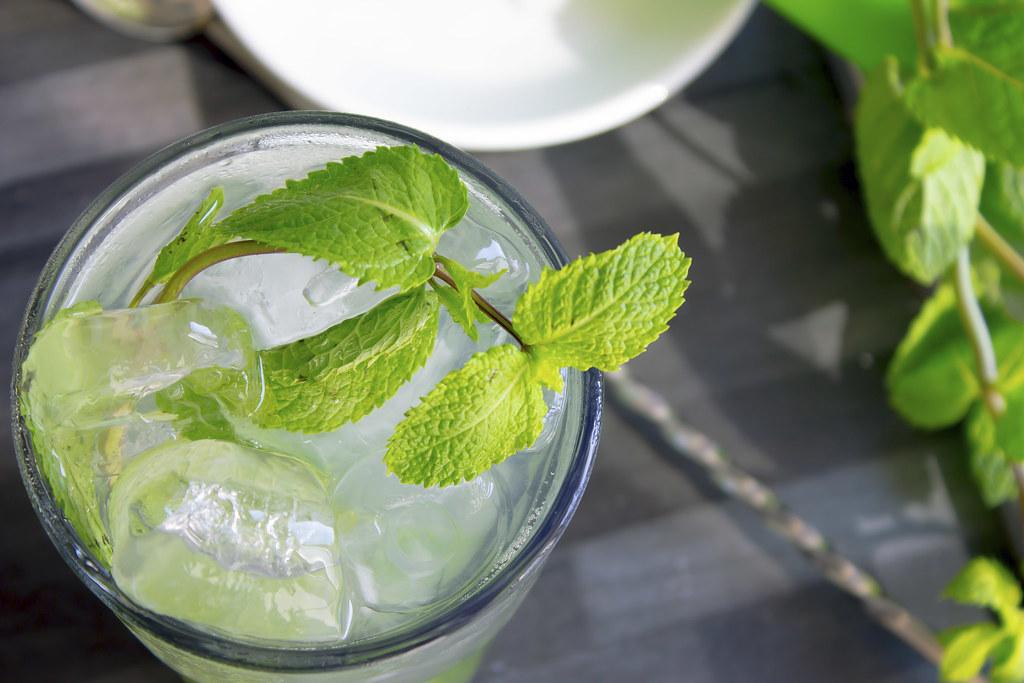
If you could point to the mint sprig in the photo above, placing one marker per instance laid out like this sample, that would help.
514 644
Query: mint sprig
379 216
985 582
599 311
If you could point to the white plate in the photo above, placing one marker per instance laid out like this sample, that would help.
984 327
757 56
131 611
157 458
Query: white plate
487 74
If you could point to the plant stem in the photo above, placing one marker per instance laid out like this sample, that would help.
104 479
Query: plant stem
940 20
977 332
687 444
1018 474
921 35
210 257
484 305
999 247
141 294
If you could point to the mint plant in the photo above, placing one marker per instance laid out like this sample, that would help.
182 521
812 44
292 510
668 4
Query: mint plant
985 582
379 217
940 152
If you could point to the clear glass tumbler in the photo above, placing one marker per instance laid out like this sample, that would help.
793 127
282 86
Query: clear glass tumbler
128 222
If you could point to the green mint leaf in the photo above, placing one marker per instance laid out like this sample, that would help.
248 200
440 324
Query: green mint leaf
198 415
196 237
987 583
932 378
992 31
603 309
548 374
949 97
1007 660
990 465
966 649
1002 200
459 302
474 418
921 186
378 216
319 383
452 301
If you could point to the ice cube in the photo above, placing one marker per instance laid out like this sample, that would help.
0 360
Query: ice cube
285 296
89 370
407 546
229 537
87 392
328 286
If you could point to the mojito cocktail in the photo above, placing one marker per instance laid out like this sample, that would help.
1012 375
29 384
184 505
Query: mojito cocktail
305 397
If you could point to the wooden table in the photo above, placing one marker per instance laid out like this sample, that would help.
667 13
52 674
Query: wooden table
779 354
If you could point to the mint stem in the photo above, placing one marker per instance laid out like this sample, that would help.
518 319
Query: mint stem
210 257
141 294
977 332
484 305
999 247
940 19
921 34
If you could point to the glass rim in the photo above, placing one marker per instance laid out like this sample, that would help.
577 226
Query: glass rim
305 656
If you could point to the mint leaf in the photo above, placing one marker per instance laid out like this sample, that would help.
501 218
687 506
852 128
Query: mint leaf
459 301
196 237
921 186
474 418
319 383
987 583
378 216
198 415
992 31
548 374
966 649
1008 660
948 97
1002 200
603 309
931 379
989 463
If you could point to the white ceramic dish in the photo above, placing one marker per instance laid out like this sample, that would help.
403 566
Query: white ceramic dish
486 74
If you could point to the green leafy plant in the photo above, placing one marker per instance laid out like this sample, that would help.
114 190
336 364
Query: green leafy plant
985 582
940 146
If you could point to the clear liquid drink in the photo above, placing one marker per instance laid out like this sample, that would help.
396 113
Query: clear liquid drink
273 555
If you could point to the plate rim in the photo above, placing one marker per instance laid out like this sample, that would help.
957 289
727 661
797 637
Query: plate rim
570 125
